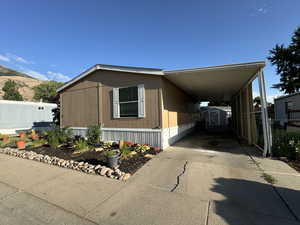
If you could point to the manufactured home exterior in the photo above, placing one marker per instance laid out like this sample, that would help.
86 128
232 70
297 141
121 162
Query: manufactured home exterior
165 114
158 107
287 108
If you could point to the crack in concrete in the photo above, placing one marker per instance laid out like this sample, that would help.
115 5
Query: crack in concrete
178 177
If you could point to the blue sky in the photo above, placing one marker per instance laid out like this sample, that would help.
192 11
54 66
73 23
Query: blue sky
59 39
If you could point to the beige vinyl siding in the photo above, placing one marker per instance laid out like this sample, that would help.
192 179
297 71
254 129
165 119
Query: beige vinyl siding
177 107
152 83
89 101
80 107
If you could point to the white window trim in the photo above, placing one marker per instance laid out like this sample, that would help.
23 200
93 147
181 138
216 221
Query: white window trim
140 101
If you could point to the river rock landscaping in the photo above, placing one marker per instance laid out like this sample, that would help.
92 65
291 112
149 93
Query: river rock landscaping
89 155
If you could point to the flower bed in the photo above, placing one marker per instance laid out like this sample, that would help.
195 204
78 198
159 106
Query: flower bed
59 147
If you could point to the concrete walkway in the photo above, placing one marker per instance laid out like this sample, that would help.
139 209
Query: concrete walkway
189 183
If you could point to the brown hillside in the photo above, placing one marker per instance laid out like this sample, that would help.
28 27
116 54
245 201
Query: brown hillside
25 86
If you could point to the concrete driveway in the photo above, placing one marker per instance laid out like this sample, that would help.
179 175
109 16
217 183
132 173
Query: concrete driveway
189 183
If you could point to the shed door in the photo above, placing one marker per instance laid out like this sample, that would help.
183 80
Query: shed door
214 119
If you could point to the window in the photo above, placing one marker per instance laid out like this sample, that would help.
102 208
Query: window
128 100
288 106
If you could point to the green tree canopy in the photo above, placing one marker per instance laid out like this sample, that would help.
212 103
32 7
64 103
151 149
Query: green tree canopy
287 61
11 92
46 91
256 100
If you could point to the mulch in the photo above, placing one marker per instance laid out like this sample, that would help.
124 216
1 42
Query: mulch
294 164
130 165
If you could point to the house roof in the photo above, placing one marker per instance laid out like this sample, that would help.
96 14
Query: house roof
286 96
204 83
126 69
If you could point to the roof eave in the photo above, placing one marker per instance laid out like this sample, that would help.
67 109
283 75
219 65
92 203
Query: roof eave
260 64
125 69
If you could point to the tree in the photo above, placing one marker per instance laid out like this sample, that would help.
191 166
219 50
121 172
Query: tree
257 101
56 111
46 91
11 92
218 103
287 61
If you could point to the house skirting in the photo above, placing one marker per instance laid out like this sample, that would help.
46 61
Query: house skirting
154 137
171 135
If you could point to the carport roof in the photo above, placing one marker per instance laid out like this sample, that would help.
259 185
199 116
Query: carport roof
215 82
204 83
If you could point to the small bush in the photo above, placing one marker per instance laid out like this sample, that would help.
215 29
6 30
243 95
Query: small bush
125 152
38 143
286 144
93 135
66 135
57 136
54 138
53 141
80 145
107 145
141 148
111 153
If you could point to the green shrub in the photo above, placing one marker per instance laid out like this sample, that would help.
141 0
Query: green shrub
57 136
141 148
3 144
54 137
65 135
53 141
111 153
125 152
107 145
286 144
38 143
80 145
93 135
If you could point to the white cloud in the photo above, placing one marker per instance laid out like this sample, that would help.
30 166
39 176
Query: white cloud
57 76
18 59
270 98
262 10
4 58
36 74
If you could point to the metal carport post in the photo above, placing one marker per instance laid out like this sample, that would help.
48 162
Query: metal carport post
264 115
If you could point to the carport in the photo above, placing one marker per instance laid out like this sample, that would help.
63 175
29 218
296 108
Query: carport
232 83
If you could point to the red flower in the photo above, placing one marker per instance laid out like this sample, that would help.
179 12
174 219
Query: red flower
128 143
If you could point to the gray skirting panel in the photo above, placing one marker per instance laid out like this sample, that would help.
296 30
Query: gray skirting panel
141 136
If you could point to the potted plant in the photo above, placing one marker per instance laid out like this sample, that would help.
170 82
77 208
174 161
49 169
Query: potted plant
5 138
20 144
112 158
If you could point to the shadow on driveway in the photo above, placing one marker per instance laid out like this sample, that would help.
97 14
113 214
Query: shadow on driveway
261 203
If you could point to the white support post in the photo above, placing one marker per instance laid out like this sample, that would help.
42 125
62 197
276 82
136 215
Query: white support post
264 114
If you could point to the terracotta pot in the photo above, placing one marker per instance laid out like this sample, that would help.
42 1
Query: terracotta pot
22 135
20 144
5 138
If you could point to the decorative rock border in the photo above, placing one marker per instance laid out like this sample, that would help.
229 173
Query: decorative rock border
70 164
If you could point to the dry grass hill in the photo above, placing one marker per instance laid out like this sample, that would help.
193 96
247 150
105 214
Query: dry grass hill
25 82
